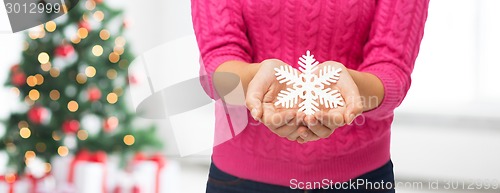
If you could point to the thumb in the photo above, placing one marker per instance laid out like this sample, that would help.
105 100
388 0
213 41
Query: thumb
255 109
254 101
354 108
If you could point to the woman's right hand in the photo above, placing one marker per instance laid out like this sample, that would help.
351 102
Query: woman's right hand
261 95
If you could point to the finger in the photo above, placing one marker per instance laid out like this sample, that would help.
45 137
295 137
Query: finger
300 116
306 134
354 107
286 122
331 119
317 128
299 120
294 135
352 99
254 96
287 130
275 119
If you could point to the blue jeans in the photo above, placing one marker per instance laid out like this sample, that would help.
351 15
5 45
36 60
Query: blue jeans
381 180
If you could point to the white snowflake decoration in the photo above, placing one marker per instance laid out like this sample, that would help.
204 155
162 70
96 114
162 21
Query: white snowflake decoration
308 86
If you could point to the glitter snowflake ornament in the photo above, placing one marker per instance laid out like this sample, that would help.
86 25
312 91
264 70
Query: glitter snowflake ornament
308 86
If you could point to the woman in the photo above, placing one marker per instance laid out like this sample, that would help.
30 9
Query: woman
374 42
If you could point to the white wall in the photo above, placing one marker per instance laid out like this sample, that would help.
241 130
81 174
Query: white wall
447 126
456 71
9 54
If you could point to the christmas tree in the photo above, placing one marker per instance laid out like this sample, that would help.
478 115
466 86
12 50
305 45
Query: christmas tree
71 81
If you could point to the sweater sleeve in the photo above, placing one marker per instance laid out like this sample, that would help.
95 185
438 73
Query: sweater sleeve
392 49
221 35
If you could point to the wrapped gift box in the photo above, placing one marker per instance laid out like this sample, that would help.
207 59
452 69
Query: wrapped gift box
12 184
155 174
84 173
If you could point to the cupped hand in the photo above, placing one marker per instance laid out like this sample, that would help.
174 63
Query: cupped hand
261 96
325 121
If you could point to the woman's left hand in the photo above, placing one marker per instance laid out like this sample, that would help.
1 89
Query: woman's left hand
324 122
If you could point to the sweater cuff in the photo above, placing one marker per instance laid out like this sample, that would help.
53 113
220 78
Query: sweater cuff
393 93
210 64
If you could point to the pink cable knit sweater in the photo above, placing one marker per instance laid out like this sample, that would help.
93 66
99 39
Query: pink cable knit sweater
381 37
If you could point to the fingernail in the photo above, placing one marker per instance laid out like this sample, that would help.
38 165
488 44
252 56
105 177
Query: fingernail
255 113
303 135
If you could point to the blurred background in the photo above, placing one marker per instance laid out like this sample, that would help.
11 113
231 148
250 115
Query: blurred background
446 130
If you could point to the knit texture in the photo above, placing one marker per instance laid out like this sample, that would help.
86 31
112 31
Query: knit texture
381 37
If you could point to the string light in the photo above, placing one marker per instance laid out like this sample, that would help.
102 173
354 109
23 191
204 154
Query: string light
54 95
82 33
28 101
114 57
43 58
73 106
82 135
50 26
129 140
31 81
120 41
113 122
48 167
97 50
41 34
84 17
99 16
90 71
119 50
29 155
62 151
10 178
65 8
33 35
41 147
34 94
37 32
118 91
11 147
46 67
76 40
54 72
81 78
104 34
56 136
112 98
39 79
90 5
25 132
22 124
111 74
16 91
26 45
